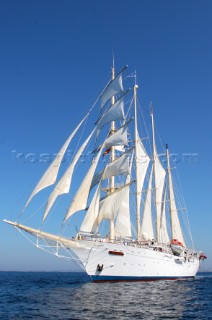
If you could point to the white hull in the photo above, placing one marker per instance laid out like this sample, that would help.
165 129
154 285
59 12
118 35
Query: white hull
107 261
136 263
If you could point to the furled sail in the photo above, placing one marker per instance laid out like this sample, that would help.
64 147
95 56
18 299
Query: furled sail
163 235
64 183
113 204
175 223
90 222
147 232
50 176
118 138
79 201
119 166
114 87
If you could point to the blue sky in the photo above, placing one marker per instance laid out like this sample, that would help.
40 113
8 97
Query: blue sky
55 58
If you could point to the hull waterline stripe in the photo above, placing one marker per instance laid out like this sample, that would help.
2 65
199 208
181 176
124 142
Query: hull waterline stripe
98 279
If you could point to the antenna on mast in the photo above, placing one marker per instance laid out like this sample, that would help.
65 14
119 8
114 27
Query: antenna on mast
151 108
113 65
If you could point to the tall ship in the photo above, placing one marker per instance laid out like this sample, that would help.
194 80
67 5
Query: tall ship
132 224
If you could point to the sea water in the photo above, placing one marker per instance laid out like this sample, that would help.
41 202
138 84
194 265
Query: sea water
55 295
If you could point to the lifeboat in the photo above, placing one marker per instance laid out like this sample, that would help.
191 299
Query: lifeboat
202 256
177 246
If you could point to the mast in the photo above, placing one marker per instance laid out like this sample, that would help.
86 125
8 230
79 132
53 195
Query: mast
138 224
112 158
169 177
154 171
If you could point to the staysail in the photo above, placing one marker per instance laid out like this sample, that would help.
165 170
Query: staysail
142 163
159 180
123 220
113 204
146 224
79 201
90 222
50 176
175 223
163 233
64 183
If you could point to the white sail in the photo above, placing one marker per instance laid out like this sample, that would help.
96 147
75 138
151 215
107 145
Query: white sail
79 201
142 163
159 179
118 138
123 221
120 166
114 87
175 223
50 176
64 183
160 175
113 204
163 235
90 222
146 224
115 112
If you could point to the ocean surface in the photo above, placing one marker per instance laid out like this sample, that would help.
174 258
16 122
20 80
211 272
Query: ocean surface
55 295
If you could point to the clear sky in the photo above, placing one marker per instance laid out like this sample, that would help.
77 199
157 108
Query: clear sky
55 58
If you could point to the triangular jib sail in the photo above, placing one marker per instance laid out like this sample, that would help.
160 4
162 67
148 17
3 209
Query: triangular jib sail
50 176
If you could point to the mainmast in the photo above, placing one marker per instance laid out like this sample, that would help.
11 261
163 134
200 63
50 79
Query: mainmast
136 166
153 159
112 179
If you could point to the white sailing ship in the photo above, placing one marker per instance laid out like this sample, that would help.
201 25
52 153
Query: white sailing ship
126 189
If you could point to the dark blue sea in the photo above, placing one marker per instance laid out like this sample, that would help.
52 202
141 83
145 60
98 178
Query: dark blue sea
55 295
